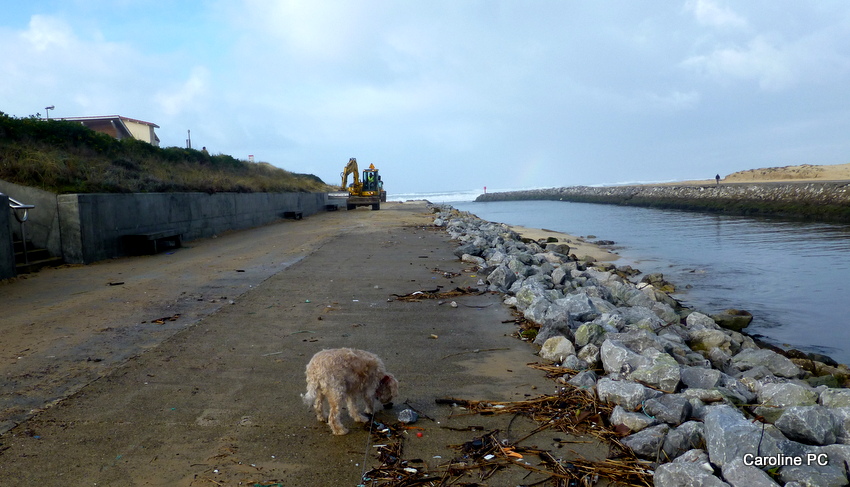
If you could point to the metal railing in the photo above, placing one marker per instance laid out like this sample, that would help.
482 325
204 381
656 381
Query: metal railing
16 206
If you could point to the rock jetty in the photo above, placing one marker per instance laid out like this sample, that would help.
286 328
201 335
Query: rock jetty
705 405
816 201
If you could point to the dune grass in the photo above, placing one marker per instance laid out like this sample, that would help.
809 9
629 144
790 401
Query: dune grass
66 157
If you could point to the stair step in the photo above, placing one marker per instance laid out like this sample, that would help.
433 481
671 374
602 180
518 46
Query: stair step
32 255
36 265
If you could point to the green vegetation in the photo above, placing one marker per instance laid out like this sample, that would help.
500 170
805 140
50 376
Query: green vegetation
66 157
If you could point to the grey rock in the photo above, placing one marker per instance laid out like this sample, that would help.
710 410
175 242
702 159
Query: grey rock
557 349
779 365
684 438
830 475
590 354
617 358
686 475
735 390
699 321
647 442
572 362
559 276
470 249
787 394
672 409
579 306
560 248
551 329
814 425
707 340
740 475
590 333
473 259
502 278
835 398
842 416
662 371
639 341
699 377
625 393
536 311
634 421
733 319
729 435
585 379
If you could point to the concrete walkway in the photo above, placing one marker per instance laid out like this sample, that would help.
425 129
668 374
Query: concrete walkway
212 398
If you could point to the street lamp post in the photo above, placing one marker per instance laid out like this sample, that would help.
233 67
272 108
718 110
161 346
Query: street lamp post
47 111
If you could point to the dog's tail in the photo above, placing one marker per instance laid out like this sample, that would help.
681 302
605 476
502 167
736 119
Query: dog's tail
310 395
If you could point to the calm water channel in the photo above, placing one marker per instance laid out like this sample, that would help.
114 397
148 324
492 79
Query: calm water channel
793 277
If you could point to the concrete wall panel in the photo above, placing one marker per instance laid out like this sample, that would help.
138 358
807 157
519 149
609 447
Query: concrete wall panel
96 223
7 255
43 224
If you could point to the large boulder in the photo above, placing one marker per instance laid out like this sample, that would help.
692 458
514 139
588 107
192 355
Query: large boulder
729 435
557 349
647 442
700 377
662 371
738 474
672 409
813 425
780 366
835 398
623 392
590 333
685 437
501 278
617 358
688 470
733 319
631 420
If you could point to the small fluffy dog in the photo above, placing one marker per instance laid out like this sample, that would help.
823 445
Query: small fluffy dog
355 377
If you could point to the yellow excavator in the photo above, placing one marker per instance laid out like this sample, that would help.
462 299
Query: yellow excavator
365 191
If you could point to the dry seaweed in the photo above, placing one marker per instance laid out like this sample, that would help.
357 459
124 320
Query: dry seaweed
438 294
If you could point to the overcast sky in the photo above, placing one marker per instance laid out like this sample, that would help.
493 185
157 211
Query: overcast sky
456 94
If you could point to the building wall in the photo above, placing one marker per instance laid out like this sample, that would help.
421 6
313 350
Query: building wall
141 132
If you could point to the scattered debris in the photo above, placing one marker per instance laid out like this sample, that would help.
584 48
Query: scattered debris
437 294
161 321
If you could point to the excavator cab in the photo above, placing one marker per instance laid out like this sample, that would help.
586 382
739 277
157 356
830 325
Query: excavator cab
372 183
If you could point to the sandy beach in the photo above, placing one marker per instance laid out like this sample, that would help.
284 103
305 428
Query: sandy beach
803 172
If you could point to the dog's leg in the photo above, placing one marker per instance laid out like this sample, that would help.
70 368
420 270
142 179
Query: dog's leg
354 411
334 417
319 406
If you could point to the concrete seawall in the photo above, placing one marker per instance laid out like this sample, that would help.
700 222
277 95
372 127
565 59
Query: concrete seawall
816 201
7 256
85 228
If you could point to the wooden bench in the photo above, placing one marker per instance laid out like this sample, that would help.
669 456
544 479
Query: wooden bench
153 242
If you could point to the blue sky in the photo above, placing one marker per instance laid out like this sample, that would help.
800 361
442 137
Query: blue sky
452 95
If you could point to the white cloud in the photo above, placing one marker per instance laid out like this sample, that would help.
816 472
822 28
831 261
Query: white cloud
709 13
47 33
760 60
187 95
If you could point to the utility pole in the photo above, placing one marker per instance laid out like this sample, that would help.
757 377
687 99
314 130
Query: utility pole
47 111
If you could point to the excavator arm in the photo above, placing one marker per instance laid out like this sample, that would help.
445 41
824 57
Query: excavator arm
350 168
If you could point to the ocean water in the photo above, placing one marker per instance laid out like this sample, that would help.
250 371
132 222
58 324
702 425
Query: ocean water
794 277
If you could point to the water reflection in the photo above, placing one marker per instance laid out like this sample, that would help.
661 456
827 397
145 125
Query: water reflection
793 276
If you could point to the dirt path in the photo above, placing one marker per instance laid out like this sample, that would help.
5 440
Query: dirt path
212 398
